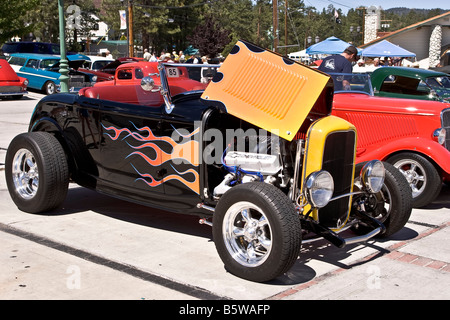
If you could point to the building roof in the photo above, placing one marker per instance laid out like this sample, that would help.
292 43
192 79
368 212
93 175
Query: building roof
405 29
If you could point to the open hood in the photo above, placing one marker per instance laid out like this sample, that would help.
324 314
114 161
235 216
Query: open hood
6 72
265 89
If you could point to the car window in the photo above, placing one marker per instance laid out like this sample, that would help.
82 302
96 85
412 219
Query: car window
48 63
125 74
138 73
97 65
32 63
86 64
18 61
352 83
404 85
439 82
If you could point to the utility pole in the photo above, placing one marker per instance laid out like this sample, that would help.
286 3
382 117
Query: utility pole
130 29
285 27
275 25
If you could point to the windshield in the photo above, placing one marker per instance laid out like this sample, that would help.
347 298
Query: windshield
189 77
350 82
441 82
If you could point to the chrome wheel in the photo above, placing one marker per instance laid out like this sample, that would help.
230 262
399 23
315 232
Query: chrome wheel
414 174
247 234
25 174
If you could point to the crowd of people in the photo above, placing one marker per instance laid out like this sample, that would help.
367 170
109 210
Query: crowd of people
179 57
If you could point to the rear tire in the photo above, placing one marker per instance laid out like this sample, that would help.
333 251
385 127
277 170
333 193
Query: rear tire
37 174
256 231
49 87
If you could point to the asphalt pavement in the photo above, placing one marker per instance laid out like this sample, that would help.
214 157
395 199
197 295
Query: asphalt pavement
96 247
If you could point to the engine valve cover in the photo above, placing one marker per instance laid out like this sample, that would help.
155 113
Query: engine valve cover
265 164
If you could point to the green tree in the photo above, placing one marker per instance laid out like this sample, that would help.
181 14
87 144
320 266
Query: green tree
14 20
210 38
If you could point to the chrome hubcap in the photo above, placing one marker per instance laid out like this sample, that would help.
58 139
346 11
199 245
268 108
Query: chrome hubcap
247 234
25 174
414 174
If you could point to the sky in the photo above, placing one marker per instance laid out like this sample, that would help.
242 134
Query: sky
345 5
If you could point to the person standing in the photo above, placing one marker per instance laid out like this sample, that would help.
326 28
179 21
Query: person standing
147 55
341 63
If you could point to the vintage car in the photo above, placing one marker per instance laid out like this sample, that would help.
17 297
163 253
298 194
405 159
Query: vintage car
42 71
262 162
96 63
11 85
182 77
411 83
411 134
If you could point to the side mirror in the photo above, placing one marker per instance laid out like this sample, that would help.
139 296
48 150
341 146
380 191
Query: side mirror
148 84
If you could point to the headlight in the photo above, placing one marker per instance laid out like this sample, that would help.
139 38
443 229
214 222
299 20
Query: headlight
372 175
439 135
25 83
319 188
94 79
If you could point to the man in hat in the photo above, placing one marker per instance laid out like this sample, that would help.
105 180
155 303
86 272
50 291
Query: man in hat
341 63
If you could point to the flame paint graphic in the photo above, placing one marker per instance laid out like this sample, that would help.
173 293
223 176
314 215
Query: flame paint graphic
187 152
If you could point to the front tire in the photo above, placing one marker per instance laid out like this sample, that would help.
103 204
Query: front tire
256 231
37 174
422 176
391 206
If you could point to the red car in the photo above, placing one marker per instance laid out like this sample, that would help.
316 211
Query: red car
11 85
130 76
413 135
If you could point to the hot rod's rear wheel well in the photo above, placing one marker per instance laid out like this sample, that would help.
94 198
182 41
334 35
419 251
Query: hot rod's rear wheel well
266 208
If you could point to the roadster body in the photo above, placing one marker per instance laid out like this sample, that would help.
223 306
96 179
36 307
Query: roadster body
262 162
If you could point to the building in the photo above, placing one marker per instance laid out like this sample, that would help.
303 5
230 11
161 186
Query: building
427 39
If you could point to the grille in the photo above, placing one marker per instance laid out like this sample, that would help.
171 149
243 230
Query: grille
338 160
10 89
78 82
445 120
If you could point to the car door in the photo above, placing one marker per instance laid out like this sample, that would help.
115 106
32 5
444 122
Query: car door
182 156
29 71
131 146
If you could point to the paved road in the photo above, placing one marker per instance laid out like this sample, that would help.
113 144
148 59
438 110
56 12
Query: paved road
98 247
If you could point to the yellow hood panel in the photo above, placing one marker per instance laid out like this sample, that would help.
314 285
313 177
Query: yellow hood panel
265 89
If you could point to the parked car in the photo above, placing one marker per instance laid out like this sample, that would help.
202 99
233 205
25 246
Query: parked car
31 47
96 63
11 85
42 71
261 161
411 83
411 134
182 78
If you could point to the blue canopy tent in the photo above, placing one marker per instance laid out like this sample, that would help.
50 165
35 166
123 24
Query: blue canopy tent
385 48
331 45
